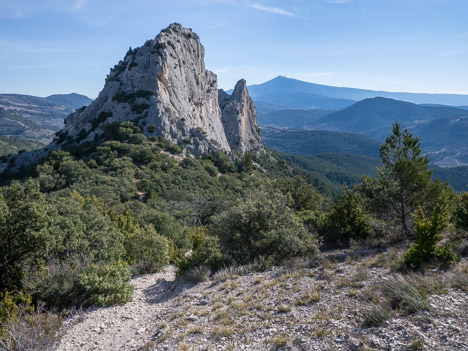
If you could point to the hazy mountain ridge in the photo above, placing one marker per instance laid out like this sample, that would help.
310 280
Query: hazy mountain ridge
72 101
290 118
442 128
36 118
290 85
375 116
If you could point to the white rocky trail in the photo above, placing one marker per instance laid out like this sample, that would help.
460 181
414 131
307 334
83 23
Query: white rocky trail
124 327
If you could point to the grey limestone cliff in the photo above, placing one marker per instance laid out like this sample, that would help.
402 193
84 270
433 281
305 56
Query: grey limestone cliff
239 119
163 87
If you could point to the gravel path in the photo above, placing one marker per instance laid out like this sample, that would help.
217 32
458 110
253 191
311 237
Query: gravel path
122 327
300 309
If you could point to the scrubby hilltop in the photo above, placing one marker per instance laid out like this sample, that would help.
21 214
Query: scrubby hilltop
164 88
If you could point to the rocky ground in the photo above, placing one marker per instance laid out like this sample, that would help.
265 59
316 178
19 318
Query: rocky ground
290 308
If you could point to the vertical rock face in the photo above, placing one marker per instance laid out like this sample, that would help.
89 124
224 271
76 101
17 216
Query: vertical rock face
164 88
239 119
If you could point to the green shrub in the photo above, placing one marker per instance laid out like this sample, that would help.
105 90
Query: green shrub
347 220
147 250
304 197
426 250
262 225
11 306
205 252
139 108
24 216
31 330
55 284
105 285
222 161
461 212
167 145
151 128
198 274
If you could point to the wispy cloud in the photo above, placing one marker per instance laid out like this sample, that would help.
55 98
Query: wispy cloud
275 10
219 25
339 1
223 69
13 47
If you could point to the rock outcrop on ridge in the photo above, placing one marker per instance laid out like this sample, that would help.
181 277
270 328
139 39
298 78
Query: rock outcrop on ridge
163 87
239 119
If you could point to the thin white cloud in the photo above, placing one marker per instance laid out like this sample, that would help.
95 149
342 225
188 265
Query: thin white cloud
223 69
339 1
275 10
219 25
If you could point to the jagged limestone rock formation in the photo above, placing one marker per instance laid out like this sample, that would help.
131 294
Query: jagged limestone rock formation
163 87
239 119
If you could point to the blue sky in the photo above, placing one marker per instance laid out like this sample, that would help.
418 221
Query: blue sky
62 46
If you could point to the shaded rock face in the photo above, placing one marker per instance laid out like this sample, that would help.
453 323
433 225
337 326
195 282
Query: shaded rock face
164 87
239 119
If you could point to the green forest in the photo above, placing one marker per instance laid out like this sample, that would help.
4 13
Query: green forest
76 227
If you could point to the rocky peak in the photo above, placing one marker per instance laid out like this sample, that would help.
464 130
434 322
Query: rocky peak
239 119
164 87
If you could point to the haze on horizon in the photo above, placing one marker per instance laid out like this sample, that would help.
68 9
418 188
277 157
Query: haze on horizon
67 46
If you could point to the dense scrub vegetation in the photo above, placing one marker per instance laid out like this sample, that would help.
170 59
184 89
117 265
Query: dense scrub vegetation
75 228
14 145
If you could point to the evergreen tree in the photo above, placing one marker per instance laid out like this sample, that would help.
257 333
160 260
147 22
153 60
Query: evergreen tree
404 177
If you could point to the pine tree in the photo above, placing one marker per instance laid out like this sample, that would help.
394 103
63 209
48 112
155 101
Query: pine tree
404 176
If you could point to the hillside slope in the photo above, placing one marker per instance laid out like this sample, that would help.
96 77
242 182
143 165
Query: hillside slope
374 117
314 142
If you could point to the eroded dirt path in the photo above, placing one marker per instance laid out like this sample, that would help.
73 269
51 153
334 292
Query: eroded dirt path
122 327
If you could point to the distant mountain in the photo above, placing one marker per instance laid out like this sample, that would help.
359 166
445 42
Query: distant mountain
302 100
72 101
439 105
36 118
290 118
315 142
282 84
446 140
374 117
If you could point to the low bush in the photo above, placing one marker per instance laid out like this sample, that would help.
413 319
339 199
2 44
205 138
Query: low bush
198 274
261 224
461 212
426 249
104 285
32 331
347 220
205 252
146 250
